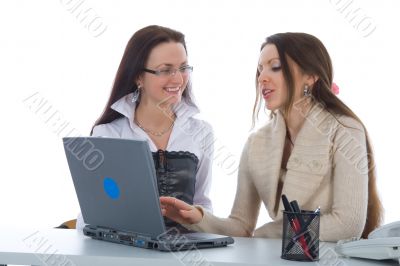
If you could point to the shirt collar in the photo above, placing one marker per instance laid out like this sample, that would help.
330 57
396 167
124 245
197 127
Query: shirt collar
127 108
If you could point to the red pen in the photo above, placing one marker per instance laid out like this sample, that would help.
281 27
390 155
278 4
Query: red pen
300 225
297 228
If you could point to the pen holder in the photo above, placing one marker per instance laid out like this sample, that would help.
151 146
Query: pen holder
300 238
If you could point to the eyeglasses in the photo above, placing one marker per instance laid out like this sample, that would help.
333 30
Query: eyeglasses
170 72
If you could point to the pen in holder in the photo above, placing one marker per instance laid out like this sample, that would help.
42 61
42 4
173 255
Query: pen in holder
300 238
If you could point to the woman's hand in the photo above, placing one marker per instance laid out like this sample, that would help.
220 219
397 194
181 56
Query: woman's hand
179 211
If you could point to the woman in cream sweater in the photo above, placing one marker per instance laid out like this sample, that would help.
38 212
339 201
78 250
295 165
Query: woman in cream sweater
314 149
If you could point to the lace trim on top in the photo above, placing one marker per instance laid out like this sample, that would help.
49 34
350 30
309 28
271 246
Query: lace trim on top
177 154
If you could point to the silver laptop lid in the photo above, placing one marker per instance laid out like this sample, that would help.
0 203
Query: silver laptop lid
109 176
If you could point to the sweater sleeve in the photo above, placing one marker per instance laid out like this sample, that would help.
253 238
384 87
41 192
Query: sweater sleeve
347 217
244 213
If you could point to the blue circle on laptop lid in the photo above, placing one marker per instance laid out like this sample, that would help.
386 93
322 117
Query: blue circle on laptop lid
111 188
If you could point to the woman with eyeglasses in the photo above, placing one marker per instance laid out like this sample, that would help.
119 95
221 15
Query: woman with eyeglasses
314 150
151 100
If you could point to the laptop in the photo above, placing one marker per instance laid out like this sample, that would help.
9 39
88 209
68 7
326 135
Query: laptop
116 186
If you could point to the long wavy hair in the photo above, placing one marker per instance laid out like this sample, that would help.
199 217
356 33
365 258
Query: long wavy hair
311 56
133 61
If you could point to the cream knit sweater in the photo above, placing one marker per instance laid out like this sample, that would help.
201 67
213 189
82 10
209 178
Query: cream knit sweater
328 167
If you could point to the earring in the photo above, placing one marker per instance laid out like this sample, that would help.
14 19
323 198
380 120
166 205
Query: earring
307 92
136 94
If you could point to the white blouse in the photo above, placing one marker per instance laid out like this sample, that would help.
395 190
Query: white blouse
188 134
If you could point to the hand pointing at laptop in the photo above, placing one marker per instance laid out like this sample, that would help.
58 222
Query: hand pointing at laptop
180 211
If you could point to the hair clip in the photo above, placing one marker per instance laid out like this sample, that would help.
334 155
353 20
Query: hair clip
335 88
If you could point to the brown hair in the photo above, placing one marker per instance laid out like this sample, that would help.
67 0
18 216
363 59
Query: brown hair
311 56
132 63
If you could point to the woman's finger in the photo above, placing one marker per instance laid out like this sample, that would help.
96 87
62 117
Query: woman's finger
181 205
167 200
176 203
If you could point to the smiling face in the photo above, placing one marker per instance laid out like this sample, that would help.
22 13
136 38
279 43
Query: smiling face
164 88
271 82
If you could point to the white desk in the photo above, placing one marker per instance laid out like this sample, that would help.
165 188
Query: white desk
68 247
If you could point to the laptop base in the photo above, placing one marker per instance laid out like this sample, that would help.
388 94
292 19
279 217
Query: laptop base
164 242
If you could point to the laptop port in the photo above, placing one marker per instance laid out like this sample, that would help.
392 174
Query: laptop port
90 234
203 244
125 238
139 243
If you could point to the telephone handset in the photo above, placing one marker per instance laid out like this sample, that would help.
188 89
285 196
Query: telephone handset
387 230
382 243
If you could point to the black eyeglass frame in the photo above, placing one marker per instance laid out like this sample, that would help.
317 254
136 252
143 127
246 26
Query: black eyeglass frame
169 72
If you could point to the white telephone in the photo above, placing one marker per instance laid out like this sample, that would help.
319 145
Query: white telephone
382 243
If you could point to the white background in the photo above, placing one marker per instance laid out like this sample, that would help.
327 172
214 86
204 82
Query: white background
46 48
